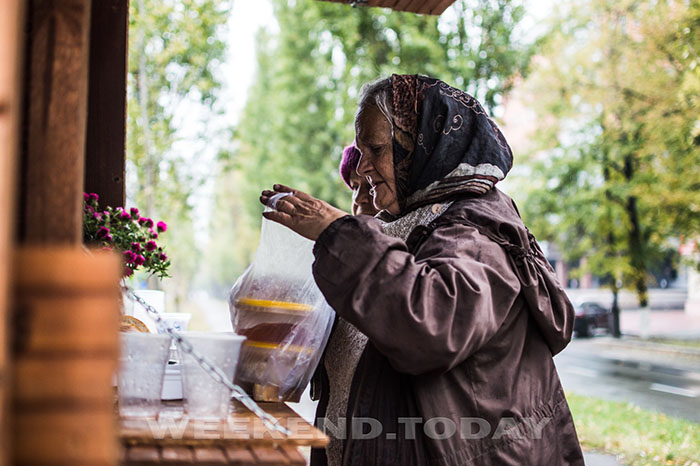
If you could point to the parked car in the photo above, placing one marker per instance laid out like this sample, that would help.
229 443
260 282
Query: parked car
591 318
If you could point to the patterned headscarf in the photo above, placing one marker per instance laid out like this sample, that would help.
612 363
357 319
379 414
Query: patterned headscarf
444 143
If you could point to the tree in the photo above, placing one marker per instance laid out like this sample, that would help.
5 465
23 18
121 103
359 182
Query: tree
173 50
618 106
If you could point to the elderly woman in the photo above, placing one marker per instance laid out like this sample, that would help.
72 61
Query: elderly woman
461 310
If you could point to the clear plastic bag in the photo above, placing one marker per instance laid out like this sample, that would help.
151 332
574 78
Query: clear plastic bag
278 307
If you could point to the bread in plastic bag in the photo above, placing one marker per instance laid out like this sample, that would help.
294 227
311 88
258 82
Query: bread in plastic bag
278 307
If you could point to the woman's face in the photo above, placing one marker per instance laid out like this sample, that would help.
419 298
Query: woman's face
377 162
361 198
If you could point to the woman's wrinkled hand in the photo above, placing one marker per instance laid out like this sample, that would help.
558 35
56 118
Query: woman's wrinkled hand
300 212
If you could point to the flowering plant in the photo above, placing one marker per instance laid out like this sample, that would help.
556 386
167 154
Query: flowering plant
128 232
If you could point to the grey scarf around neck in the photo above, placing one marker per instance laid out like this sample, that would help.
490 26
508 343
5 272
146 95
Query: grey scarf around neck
403 226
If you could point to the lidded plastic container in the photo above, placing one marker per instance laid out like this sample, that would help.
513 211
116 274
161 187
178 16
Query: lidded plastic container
278 307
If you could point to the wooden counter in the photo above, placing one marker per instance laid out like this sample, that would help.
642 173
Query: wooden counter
241 439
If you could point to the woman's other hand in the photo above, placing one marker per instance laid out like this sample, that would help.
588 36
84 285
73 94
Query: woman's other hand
300 212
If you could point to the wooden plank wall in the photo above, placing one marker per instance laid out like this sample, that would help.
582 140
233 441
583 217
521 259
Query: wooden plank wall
106 120
56 96
11 45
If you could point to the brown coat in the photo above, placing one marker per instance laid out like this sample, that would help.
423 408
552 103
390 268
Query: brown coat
463 319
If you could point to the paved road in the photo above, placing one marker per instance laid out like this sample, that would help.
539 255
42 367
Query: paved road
585 369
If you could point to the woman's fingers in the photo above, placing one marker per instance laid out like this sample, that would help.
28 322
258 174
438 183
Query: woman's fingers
279 217
264 199
272 199
286 205
266 194
280 188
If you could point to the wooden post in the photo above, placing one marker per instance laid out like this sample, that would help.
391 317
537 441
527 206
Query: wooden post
56 94
105 149
11 45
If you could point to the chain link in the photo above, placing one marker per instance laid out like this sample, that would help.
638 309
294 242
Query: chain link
216 373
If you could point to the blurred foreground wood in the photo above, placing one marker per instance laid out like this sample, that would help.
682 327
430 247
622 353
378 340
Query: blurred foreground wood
11 46
66 313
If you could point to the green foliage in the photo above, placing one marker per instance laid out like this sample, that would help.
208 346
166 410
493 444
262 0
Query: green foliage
174 48
301 108
617 98
640 437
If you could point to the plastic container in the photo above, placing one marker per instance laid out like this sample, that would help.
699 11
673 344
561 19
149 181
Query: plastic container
142 366
204 397
278 307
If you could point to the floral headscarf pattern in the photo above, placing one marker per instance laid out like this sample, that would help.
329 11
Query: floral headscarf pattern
444 143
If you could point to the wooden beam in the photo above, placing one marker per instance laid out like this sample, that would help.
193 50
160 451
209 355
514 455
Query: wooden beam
105 146
11 45
441 7
428 7
419 6
56 100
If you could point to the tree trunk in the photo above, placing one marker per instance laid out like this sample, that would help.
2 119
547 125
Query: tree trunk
616 332
611 252
636 251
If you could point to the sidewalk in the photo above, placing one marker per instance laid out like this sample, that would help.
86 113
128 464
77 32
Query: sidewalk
664 324
599 459
631 349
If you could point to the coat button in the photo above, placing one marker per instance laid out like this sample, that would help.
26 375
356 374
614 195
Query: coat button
436 208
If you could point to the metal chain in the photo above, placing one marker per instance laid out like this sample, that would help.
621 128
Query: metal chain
216 373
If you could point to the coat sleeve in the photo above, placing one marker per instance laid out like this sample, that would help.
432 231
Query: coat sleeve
424 312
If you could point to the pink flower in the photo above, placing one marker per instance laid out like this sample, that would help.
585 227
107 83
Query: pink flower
86 197
134 212
124 216
151 246
139 260
93 198
97 215
102 232
109 238
154 235
163 257
162 227
135 246
129 257
127 272
147 222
